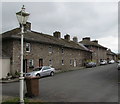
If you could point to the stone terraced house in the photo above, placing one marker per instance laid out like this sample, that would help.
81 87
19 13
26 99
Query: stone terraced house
42 49
111 55
99 52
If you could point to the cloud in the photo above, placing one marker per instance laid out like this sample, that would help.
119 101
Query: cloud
98 20
108 41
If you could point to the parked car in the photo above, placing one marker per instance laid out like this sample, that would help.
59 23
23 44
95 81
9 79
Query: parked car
111 61
42 71
90 64
103 62
118 61
118 66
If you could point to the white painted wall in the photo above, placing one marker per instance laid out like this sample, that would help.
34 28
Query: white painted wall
4 67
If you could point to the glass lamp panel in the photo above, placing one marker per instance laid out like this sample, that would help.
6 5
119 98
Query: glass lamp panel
25 18
19 18
22 17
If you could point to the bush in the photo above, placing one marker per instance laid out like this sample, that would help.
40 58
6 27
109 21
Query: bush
17 74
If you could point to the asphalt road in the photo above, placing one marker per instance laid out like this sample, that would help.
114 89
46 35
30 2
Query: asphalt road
99 84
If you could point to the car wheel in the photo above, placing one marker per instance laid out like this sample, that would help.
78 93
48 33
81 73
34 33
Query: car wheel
52 73
38 75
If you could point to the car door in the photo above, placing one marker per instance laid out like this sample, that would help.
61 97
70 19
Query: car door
44 71
48 70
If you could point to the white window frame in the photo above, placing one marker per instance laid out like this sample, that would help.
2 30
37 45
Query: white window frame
27 45
31 63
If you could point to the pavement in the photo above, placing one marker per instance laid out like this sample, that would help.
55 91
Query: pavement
9 80
17 79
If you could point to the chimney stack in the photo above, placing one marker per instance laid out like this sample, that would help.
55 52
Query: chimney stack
67 37
75 39
57 34
95 41
86 38
27 26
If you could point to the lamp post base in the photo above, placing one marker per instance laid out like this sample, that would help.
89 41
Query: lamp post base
22 102
21 90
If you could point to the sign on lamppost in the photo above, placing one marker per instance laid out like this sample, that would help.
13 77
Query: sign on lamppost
22 17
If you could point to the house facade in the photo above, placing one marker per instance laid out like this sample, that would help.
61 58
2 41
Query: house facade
99 52
111 55
43 50
118 56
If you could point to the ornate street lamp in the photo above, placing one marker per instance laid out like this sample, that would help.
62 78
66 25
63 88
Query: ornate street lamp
22 17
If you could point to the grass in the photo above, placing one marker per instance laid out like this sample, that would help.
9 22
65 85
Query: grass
26 101
14 101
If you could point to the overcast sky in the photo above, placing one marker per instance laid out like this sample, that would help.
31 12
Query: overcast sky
98 20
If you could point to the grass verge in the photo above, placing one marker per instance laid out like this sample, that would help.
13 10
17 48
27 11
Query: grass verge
14 101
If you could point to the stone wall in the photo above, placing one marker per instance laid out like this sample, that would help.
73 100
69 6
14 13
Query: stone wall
72 58
98 53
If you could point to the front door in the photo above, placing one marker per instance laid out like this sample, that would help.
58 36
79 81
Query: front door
25 65
40 62
75 63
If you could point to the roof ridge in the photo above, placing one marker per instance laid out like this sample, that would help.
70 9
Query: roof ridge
43 38
93 43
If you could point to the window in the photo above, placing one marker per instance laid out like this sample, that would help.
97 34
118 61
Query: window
70 62
27 47
31 64
62 50
62 62
50 49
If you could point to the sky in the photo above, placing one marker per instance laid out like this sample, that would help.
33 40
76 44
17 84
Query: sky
98 20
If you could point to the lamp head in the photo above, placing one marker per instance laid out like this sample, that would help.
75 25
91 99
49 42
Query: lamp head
22 16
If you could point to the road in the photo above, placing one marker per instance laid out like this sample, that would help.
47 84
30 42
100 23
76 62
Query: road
98 84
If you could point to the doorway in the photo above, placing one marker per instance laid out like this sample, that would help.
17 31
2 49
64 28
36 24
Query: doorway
40 62
25 65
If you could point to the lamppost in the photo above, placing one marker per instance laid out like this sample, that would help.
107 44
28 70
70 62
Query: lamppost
22 17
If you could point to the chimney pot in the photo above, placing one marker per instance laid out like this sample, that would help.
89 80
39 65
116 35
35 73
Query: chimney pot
75 39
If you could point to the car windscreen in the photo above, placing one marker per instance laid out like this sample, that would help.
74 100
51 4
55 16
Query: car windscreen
46 67
37 69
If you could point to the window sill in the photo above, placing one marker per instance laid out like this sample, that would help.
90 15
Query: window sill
28 51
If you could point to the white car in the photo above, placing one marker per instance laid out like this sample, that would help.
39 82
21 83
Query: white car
118 66
103 62
111 61
41 71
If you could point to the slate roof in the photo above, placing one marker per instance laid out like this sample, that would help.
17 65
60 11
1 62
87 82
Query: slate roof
91 43
42 38
109 52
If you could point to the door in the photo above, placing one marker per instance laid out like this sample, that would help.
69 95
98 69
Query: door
40 62
25 65
45 71
75 63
